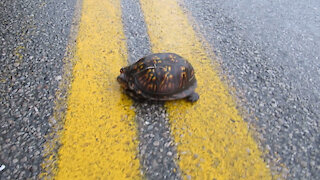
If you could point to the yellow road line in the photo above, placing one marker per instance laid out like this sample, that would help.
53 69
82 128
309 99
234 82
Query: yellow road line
98 140
213 140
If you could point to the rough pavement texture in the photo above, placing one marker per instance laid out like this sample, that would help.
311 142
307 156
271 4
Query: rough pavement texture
157 150
33 37
269 51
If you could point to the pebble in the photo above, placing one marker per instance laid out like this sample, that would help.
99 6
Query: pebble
14 161
2 167
58 78
156 143
23 160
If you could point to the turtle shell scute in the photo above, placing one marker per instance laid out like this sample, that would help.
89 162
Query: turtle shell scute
163 74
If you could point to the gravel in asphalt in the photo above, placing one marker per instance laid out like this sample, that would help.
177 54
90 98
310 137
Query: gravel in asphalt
157 150
33 37
269 52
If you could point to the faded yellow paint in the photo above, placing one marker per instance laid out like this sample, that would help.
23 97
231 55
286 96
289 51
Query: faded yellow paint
18 53
98 140
213 140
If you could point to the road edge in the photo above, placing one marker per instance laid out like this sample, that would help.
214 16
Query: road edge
56 120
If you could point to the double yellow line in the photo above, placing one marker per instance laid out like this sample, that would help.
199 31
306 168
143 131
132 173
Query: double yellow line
99 136
98 140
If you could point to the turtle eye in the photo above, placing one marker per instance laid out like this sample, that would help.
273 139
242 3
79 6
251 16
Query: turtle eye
121 70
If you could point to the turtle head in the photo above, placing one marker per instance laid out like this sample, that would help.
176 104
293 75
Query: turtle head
123 78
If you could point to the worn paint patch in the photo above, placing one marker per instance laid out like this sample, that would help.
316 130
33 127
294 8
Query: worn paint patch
213 140
99 136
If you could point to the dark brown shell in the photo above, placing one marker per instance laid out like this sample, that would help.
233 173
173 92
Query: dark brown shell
162 76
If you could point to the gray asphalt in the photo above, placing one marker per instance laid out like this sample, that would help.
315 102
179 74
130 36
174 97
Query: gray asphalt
269 51
33 39
157 151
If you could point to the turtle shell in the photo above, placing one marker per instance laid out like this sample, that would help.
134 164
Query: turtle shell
162 76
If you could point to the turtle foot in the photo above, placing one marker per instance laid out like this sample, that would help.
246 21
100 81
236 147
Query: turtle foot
193 97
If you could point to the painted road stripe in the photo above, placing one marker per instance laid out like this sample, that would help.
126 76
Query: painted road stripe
157 153
213 140
98 140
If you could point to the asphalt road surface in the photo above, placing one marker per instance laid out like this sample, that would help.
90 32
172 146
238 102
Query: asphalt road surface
271 51
268 55
34 36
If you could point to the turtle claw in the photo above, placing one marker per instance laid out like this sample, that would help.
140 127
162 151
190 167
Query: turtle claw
193 97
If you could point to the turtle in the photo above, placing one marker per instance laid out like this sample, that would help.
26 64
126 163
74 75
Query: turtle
159 77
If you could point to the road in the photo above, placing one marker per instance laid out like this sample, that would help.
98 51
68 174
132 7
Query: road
63 114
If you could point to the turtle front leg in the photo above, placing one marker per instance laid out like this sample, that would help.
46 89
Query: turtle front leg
136 97
193 97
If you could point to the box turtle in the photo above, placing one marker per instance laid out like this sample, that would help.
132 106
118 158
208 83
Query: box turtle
159 77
